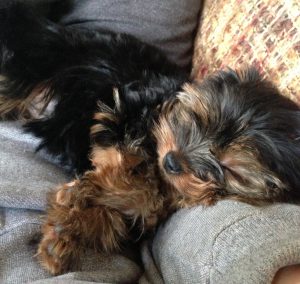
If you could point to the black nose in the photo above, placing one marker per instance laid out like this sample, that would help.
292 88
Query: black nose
171 164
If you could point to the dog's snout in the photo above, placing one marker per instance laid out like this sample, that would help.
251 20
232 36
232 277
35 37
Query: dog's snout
172 164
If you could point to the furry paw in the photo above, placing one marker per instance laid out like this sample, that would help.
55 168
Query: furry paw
57 252
65 194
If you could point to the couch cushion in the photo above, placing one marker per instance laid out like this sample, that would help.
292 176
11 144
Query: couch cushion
264 33
230 242
169 25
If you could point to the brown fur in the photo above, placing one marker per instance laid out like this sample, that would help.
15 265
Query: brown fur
193 100
32 107
127 189
247 177
99 210
244 175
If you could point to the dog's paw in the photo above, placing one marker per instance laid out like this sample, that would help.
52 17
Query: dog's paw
57 252
65 195
48 251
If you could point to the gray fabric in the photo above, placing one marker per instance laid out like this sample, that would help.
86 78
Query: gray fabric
169 25
18 265
25 178
228 243
24 183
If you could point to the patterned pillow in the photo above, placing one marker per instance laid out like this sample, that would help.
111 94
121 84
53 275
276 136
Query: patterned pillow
263 33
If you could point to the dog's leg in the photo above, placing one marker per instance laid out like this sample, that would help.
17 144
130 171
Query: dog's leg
72 225
84 214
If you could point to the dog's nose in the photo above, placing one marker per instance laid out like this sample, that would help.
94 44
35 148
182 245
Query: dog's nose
171 164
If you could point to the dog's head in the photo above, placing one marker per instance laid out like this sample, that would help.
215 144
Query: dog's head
232 136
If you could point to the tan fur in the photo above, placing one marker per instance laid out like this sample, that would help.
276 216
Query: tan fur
101 158
99 116
98 210
165 138
246 175
196 101
31 107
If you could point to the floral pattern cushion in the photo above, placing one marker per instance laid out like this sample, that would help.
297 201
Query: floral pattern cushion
263 33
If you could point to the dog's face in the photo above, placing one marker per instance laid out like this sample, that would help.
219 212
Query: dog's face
231 136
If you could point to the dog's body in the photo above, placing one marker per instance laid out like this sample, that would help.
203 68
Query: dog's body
145 145
79 69
106 91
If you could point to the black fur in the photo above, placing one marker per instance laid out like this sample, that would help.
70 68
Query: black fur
81 67
245 119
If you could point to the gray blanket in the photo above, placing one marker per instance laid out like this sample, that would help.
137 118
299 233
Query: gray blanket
229 243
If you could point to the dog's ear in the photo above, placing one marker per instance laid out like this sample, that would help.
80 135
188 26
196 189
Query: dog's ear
230 76
283 157
247 177
249 74
266 164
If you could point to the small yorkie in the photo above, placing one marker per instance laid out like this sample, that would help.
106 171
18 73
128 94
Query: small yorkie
233 136
145 139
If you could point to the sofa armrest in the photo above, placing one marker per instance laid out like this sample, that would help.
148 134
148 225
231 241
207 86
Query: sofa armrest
230 242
